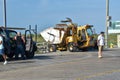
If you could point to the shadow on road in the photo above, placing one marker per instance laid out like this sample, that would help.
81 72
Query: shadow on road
43 57
112 49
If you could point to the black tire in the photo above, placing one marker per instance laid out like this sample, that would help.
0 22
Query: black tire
52 48
85 49
29 55
72 48
34 48
1 58
95 45
10 55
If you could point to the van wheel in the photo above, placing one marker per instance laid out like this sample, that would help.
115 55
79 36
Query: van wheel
10 55
52 48
85 49
29 55
1 58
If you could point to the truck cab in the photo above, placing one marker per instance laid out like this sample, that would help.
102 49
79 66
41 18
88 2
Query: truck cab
85 37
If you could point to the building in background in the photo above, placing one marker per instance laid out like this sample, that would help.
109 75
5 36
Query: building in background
115 27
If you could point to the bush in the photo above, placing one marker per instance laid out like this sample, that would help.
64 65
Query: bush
112 38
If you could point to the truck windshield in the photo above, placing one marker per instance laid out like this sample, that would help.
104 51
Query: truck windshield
89 31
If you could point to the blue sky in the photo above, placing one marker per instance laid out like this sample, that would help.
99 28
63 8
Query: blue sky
46 13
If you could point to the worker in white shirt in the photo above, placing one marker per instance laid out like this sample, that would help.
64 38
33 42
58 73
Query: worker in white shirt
101 43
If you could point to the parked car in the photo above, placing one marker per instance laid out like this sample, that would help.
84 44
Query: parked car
10 45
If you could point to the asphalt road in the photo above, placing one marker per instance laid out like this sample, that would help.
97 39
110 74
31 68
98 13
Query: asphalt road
65 66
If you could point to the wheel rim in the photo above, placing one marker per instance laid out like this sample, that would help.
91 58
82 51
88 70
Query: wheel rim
51 49
71 47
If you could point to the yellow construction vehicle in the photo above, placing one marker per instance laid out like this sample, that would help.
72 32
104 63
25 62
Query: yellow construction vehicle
68 37
85 37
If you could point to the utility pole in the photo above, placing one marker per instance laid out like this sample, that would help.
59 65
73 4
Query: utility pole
107 23
36 33
5 16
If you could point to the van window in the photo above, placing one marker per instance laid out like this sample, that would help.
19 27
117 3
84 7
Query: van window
1 32
12 34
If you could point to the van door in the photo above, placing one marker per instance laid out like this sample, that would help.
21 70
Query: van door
28 40
28 44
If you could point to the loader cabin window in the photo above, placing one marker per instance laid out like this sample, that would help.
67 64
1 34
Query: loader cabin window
71 32
89 32
79 33
83 36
